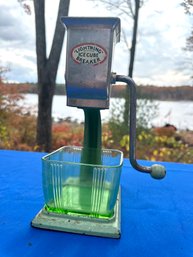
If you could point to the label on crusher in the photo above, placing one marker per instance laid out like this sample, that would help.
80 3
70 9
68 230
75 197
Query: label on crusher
89 53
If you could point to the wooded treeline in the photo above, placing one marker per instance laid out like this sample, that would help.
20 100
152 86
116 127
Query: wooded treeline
158 93
148 92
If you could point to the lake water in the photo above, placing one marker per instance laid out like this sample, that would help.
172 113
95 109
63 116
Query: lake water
179 113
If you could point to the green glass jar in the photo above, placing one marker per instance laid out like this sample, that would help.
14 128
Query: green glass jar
76 188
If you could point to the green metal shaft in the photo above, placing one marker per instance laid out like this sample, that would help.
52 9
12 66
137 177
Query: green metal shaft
92 142
92 136
91 153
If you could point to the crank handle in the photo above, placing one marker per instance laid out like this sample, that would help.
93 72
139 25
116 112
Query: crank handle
157 171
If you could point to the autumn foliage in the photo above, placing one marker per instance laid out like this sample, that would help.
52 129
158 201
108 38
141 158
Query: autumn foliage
66 133
16 126
18 132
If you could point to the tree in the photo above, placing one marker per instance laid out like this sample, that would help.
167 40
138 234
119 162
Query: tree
47 66
189 42
129 8
188 7
135 15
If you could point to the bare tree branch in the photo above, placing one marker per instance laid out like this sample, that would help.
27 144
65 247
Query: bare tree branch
188 5
117 6
25 6
130 6
125 39
189 42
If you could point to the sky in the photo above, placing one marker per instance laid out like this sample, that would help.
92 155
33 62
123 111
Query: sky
160 58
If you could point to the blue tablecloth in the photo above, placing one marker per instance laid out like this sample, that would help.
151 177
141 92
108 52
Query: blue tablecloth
157 216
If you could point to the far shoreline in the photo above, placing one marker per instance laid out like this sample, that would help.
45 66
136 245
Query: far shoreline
151 92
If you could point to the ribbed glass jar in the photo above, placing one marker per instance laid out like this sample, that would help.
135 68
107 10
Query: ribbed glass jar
77 188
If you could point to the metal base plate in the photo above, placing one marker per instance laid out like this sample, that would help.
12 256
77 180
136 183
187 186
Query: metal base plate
81 224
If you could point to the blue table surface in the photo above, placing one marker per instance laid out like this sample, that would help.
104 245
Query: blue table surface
157 215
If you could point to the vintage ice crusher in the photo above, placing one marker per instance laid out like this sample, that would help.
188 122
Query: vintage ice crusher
81 185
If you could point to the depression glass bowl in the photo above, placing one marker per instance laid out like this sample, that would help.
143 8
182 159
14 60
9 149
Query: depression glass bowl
74 187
